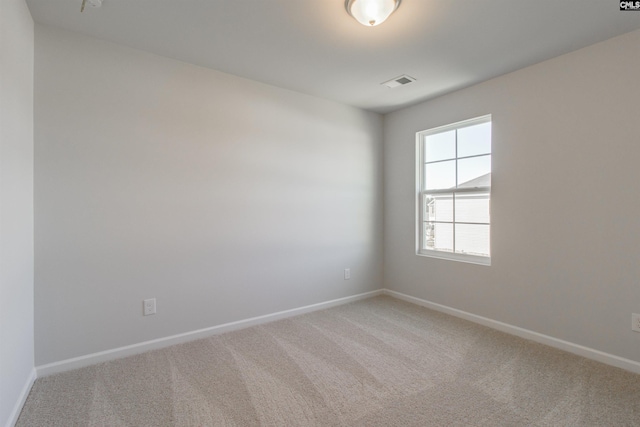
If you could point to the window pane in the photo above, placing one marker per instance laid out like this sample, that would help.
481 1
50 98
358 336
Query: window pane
438 236
474 172
441 146
472 207
472 239
474 140
440 175
438 207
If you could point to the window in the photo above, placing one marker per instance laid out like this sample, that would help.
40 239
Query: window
454 190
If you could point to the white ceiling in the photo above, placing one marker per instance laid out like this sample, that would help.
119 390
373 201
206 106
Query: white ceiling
315 47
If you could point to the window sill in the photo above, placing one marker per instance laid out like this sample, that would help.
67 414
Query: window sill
471 259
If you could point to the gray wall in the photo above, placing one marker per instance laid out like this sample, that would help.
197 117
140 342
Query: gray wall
564 209
222 197
16 203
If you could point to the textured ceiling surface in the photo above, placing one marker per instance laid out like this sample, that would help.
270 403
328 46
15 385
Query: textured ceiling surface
315 47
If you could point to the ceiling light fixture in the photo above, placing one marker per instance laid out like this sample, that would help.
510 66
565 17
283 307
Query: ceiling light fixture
371 12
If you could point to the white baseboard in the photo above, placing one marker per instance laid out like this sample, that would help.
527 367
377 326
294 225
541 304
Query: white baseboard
589 353
104 356
117 353
17 408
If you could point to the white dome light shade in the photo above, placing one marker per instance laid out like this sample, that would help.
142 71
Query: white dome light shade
371 12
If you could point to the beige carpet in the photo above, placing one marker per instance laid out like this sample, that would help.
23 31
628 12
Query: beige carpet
378 362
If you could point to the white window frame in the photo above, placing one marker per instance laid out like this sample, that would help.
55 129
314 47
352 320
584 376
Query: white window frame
421 193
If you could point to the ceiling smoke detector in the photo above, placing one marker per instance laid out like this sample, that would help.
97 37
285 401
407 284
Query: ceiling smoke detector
399 81
93 3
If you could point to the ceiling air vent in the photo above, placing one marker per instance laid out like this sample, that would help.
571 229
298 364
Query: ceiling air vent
399 81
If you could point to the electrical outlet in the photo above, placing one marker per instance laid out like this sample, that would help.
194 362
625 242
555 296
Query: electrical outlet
347 273
635 322
149 306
